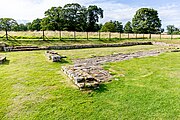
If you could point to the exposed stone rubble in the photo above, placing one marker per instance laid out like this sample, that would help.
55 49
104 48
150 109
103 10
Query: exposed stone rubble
89 73
86 76
54 56
2 59
66 47
165 44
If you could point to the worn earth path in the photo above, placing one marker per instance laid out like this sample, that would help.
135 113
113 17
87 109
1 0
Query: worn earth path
91 68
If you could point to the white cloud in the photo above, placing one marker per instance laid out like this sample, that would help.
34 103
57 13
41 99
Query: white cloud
32 9
29 9
170 15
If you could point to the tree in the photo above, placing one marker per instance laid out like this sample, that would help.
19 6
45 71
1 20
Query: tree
22 27
171 29
146 20
36 24
53 20
74 16
162 30
118 26
7 24
93 15
28 25
108 27
128 27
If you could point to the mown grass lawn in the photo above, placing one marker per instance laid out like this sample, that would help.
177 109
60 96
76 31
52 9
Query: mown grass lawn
144 88
36 42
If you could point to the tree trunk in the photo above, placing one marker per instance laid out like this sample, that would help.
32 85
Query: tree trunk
43 35
150 36
6 35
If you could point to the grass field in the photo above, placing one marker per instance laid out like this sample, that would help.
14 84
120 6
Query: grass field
143 88
82 35
35 42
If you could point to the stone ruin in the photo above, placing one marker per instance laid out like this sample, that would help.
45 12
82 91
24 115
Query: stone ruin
86 76
86 73
2 59
54 56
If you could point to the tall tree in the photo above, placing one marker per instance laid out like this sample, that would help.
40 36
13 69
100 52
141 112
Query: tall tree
36 24
118 26
128 27
93 14
7 24
28 25
72 16
146 20
171 29
53 19
82 19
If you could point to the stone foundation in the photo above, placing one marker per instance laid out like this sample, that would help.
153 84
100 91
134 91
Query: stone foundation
89 73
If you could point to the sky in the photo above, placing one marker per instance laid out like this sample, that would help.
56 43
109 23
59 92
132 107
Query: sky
121 10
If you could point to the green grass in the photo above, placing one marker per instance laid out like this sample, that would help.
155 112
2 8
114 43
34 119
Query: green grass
34 88
36 42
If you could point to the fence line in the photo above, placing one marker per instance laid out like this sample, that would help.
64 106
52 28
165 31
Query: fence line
84 35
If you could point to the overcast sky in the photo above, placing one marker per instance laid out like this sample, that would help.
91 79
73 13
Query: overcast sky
121 10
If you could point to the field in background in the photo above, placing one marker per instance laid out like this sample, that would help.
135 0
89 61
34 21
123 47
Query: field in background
85 35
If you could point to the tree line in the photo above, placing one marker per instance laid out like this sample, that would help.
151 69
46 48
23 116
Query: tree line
74 17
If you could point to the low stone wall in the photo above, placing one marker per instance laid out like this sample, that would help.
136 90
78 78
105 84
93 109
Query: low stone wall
24 48
66 47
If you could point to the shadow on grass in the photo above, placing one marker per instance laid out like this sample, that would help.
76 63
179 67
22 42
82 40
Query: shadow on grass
63 61
102 88
6 62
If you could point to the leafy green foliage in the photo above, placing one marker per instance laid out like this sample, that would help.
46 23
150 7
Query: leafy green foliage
146 20
171 29
72 17
128 27
7 24
93 15
36 24
112 26
118 26
108 27
53 19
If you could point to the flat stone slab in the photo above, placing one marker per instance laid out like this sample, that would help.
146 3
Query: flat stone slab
2 59
54 56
